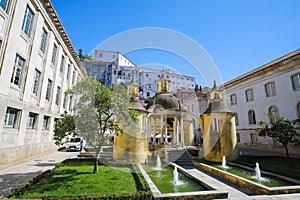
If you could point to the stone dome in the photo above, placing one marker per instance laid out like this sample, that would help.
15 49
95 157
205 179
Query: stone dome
166 100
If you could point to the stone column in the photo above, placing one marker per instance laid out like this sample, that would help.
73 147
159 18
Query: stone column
181 131
174 139
161 128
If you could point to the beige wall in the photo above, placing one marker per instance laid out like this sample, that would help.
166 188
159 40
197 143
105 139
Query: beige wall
216 145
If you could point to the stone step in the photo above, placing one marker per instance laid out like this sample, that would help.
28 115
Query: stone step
180 157
105 155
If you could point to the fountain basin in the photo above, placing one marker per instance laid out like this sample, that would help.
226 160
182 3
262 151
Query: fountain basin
196 190
251 186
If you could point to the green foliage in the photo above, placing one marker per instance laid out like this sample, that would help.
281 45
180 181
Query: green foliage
72 179
282 130
82 57
100 110
63 127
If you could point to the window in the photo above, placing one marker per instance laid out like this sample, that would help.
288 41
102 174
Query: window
43 40
298 110
12 117
249 95
57 99
251 117
68 72
273 113
144 123
27 21
185 95
65 100
54 52
62 64
48 91
233 99
238 138
73 77
32 120
36 82
18 69
270 89
55 121
147 75
296 81
46 122
236 117
253 138
4 5
94 69
70 103
215 125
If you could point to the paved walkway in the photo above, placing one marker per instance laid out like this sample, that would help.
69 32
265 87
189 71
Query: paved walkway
234 193
13 177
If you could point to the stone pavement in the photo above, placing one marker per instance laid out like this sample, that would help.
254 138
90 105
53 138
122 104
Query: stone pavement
15 176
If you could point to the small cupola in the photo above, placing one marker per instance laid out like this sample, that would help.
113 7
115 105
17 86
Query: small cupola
216 93
132 88
163 84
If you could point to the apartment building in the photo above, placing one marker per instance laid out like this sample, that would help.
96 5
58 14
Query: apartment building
37 65
149 77
113 67
270 90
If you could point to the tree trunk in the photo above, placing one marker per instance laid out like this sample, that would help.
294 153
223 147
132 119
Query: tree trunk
287 151
96 161
96 165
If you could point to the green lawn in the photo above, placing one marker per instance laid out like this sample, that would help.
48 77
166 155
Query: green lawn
75 178
279 165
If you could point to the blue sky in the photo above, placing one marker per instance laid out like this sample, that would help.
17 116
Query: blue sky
238 35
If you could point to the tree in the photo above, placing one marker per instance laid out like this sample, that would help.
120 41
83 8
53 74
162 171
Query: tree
82 57
98 110
282 130
64 126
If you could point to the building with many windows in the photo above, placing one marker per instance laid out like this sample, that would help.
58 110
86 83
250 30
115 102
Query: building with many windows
112 68
149 77
37 65
269 91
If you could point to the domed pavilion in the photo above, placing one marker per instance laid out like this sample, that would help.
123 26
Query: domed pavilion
167 121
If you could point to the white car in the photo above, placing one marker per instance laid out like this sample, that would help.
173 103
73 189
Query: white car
75 144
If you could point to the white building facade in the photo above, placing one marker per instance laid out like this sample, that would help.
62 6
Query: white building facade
149 77
113 67
272 89
37 65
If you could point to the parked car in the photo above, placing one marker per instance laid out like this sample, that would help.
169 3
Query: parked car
75 144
